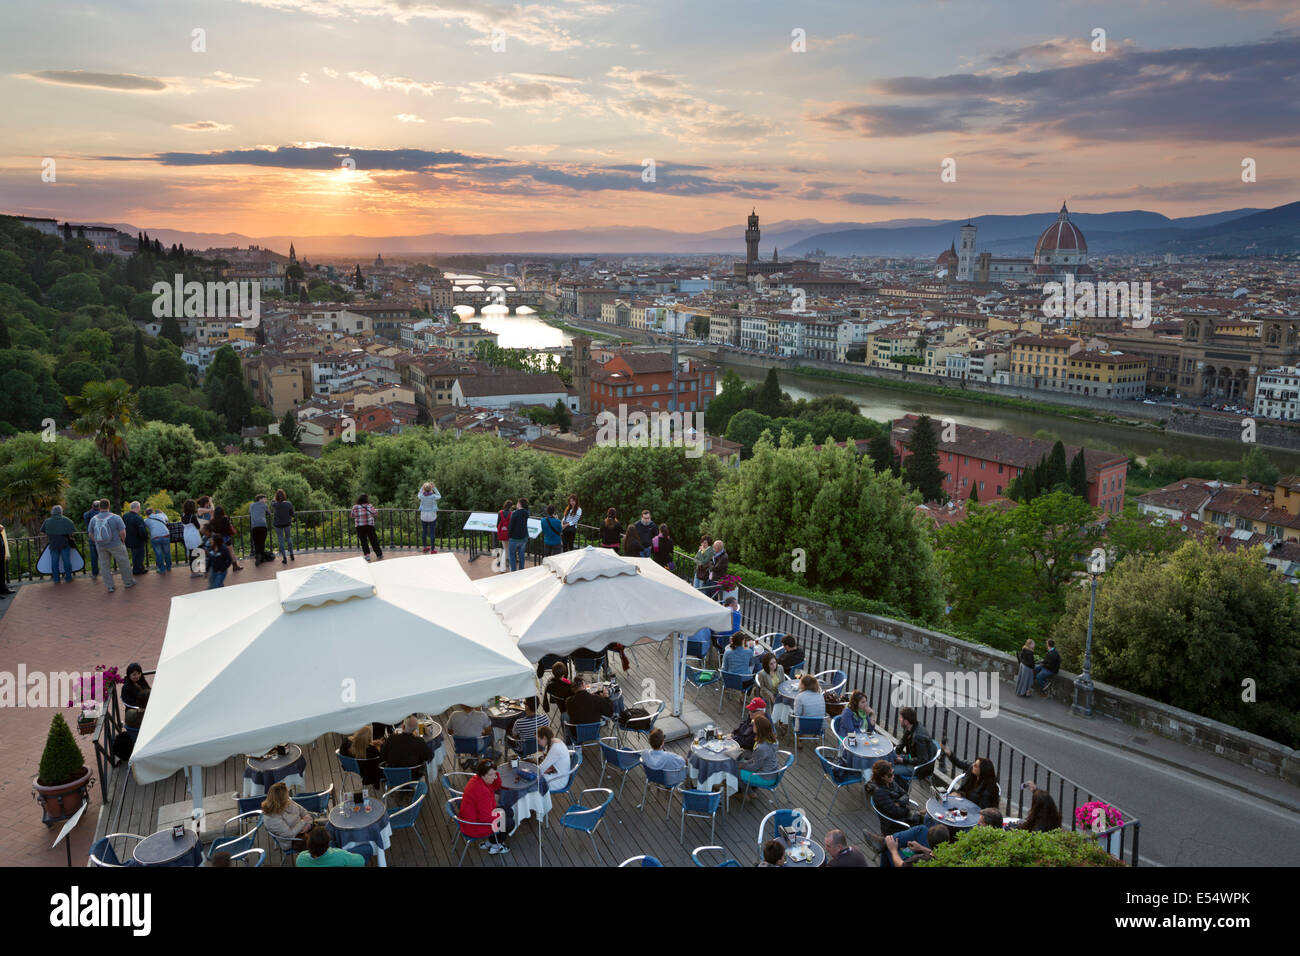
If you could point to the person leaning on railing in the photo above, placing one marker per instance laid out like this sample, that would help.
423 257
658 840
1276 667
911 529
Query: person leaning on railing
569 522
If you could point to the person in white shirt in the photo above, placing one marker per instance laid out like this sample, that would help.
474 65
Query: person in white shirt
656 758
557 763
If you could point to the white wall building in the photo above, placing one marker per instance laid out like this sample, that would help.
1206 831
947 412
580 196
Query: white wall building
1277 394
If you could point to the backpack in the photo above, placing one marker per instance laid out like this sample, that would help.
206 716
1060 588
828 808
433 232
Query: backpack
177 531
637 718
100 530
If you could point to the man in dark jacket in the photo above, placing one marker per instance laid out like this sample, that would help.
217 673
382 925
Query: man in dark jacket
1049 668
645 532
790 654
915 747
719 569
560 688
584 707
406 749
137 537
518 532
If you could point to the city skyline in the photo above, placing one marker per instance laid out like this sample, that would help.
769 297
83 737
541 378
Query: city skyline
455 129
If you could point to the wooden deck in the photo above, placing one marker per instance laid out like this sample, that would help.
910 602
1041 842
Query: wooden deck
626 831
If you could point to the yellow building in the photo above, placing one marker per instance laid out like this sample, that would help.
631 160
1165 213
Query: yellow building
1106 374
1041 361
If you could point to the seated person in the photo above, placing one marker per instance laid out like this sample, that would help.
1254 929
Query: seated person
809 702
773 853
478 808
469 721
135 689
656 758
219 859
763 759
838 851
790 655
890 795
405 749
560 688
771 675
360 747
744 734
990 817
915 748
584 707
914 843
979 784
1043 815
320 853
556 760
286 821
526 727
738 659
856 717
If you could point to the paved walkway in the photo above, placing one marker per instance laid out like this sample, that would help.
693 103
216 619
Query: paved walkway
73 627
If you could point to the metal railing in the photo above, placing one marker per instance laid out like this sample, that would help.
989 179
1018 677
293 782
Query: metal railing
965 737
396 528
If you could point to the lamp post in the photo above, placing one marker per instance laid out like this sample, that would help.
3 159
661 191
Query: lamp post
1082 705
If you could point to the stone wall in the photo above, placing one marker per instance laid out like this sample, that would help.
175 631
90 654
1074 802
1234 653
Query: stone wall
1191 421
1266 756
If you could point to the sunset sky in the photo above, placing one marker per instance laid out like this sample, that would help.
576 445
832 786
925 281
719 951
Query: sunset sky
449 135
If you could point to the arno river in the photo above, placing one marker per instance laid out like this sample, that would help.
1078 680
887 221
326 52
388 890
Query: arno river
884 404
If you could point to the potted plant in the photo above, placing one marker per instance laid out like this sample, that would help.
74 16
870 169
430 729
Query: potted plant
1100 819
729 585
63 781
90 694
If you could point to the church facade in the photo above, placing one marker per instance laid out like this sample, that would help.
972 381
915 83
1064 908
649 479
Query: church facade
1061 250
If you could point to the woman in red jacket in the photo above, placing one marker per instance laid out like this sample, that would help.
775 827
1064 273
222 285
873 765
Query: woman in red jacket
479 811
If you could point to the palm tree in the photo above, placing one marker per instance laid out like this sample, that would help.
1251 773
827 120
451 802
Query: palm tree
29 487
104 410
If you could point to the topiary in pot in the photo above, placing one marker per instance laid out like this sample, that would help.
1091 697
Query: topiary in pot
60 786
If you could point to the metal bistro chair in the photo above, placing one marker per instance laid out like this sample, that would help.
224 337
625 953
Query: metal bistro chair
525 746
663 781
888 824
575 763
808 728
700 850
790 819
586 819
598 666
102 853
449 781
472 746
741 682
697 645
248 804
923 771
701 804
394 777
838 774
700 677
583 735
354 766
254 857
640 861
316 802
832 682
238 844
769 780
452 807
407 816
613 757
652 706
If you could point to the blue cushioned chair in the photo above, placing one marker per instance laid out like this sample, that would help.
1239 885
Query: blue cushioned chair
585 816
701 804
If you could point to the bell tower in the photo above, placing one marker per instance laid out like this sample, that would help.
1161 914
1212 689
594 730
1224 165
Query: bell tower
751 238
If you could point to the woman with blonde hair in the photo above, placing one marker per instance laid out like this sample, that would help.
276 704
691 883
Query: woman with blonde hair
285 820
360 746
1025 679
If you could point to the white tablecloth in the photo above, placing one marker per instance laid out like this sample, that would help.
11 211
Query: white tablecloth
533 804
716 779
385 841
294 781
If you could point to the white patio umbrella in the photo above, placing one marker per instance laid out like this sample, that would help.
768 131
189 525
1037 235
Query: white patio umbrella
594 597
319 649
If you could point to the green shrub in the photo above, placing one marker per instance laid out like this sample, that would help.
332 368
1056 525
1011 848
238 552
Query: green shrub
986 846
62 760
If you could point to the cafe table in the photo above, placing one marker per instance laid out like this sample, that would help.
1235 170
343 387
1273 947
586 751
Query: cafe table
164 849
286 768
783 710
433 736
817 851
952 811
503 716
865 750
715 763
350 824
524 797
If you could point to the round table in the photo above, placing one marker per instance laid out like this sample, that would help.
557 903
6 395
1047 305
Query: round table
818 857
287 768
867 750
163 849
936 813
783 710
525 797
710 768
503 717
347 824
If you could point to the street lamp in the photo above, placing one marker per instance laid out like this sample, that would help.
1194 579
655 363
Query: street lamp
1082 706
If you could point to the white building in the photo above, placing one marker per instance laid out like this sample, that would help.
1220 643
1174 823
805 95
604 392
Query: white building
1277 394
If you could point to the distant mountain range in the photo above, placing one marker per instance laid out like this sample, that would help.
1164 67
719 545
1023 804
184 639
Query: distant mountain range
1247 231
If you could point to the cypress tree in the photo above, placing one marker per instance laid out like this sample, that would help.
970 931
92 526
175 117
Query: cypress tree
921 468
1079 476
768 400
881 452
1058 472
974 493
171 331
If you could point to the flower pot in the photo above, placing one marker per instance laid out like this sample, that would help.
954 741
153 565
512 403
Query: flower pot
86 724
61 801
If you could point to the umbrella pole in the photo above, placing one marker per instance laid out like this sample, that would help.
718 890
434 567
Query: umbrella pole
679 674
196 791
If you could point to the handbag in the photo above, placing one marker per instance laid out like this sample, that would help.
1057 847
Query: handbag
177 531
635 718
